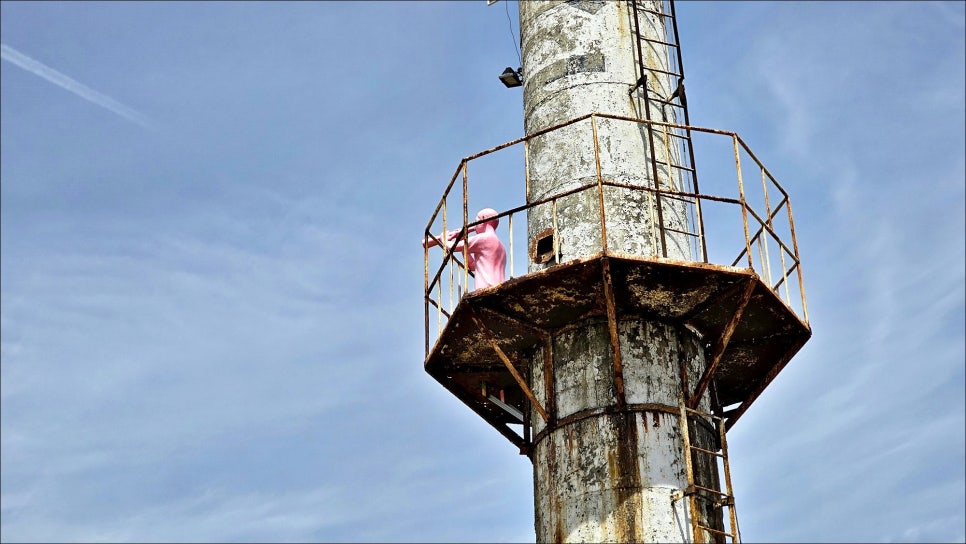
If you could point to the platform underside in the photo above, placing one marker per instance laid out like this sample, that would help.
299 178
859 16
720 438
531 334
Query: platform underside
519 315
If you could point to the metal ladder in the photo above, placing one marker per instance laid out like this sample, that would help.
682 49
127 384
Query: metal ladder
695 492
671 108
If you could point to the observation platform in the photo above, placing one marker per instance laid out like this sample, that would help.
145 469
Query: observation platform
752 318
733 310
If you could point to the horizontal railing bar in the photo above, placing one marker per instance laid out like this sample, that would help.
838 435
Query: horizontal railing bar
605 116
666 192
661 123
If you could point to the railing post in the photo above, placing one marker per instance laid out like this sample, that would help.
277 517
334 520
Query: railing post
744 203
447 258
556 235
600 186
768 221
798 260
509 221
526 167
466 233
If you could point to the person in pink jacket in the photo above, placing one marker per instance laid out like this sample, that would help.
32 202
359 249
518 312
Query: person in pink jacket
487 256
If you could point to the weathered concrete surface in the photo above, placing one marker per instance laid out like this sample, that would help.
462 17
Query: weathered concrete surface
607 466
609 477
580 57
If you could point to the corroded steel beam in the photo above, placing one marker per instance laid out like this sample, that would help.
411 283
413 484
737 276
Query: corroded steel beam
733 415
721 343
615 344
509 364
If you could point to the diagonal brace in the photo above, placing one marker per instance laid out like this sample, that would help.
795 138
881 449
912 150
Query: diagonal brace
509 365
717 351
547 340
780 364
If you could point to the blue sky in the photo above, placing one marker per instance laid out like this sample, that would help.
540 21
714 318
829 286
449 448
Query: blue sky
211 288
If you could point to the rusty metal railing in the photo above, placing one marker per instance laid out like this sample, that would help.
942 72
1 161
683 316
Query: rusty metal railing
766 242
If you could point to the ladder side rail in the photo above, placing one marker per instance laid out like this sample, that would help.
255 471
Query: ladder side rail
653 160
728 494
688 469
732 514
687 123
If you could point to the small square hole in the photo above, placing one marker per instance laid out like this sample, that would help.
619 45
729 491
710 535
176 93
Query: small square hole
542 250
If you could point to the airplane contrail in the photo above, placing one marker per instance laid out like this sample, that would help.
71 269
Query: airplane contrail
17 58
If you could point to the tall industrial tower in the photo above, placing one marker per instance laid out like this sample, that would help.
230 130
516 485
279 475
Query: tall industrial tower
651 314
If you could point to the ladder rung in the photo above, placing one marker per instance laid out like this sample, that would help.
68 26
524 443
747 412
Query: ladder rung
664 103
668 102
682 200
678 133
700 413
709 490
728 501
718 500
716 531
686 233
664 72
686 200
683 135
690 490
679 167
679 136
719 454
652 12
650 40
706 499
676 166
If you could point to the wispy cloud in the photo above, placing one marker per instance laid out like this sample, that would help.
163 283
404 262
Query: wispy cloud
17 58
949 14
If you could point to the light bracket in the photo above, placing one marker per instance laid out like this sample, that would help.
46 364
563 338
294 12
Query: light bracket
512 78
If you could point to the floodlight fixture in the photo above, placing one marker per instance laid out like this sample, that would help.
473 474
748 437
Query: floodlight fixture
512 78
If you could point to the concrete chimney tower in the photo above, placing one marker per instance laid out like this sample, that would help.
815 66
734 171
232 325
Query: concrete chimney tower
609 474
624 353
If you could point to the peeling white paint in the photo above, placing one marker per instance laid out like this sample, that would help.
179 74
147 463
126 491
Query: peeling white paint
582 491
606 477
553 35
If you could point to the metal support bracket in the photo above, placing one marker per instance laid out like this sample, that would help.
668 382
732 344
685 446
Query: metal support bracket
721 344
612 329
509 364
